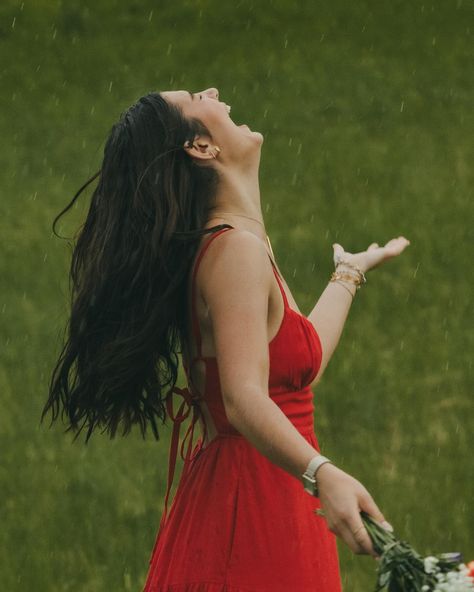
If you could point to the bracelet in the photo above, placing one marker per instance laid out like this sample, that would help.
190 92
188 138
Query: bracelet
347 276
340 261
345 287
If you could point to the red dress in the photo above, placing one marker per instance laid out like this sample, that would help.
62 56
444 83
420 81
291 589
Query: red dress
238 522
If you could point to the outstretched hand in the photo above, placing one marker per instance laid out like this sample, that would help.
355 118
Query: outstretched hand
374 255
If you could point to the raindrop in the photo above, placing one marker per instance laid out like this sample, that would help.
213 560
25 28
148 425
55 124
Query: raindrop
401 106
13 23
168 51
110 86
150 16
416 270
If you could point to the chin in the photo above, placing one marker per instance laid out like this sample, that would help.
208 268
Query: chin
255 134
258 136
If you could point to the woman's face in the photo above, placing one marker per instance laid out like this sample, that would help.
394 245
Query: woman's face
233 140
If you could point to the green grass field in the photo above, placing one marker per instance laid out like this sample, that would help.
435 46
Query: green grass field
366 110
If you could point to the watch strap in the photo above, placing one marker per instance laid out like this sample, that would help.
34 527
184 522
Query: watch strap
309 476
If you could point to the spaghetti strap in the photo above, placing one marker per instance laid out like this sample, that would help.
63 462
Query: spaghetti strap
195 323
277 275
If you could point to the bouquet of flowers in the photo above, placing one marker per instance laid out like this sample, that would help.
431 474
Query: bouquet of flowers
402 569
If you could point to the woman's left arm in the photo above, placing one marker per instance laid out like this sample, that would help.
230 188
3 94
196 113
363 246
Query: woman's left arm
330 311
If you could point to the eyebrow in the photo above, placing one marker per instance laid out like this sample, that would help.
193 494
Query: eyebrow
191 95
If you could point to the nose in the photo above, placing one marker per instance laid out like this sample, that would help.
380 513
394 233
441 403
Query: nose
213 92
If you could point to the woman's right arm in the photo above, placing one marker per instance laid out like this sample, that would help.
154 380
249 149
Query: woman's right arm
235 283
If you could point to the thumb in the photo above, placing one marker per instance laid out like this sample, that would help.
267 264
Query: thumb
338 249
369 506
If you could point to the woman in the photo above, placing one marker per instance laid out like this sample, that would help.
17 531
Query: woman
174 258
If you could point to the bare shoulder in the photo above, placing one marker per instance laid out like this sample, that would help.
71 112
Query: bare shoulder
235 285
234 258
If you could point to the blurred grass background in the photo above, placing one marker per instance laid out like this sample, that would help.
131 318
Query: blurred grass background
366 110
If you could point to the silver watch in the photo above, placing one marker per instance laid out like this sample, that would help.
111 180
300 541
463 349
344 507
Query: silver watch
308 478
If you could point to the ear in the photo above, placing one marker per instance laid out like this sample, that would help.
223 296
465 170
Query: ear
201 148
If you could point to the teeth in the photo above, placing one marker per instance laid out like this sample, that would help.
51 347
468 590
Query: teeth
228 108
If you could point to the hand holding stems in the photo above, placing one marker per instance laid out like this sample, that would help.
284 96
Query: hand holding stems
342 499
374 255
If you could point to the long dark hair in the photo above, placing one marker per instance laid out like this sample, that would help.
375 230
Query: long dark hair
128 273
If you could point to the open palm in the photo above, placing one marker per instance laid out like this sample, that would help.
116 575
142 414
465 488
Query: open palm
374 255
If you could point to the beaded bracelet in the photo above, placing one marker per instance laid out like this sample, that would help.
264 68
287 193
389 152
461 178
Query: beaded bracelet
340 261
347 276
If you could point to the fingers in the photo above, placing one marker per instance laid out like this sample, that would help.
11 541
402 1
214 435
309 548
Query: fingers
367 504
398 243
352 531
357 538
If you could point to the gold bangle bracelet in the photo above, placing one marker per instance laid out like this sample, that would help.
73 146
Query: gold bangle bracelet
351 266
340 261
350 277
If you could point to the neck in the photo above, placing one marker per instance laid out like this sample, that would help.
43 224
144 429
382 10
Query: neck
239 193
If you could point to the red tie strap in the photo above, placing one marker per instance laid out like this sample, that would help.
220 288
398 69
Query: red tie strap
183 412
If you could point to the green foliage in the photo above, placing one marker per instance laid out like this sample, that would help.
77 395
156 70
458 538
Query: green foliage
366 110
